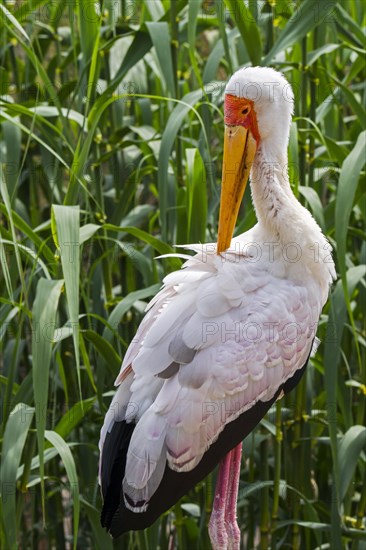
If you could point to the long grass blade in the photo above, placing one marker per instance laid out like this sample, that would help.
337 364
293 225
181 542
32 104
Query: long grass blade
159 32
44 317
349 452
307 17
348 180
68 461
15 435
248 29
66 224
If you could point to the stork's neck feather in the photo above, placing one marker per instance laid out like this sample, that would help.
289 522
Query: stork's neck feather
281 218
275 204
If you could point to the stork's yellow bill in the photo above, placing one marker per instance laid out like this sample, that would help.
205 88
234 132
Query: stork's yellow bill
240 145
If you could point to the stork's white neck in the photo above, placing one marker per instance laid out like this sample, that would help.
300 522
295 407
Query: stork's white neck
283 220
277 209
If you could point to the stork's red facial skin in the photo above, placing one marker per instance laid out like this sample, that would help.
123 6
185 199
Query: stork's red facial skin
239 111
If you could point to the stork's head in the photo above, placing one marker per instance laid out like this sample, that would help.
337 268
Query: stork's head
257 109
261 99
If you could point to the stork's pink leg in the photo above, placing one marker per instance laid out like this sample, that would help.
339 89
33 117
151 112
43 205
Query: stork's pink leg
232 528
223 528
216 526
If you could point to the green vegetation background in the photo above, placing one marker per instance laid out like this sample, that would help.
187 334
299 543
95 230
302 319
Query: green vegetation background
111 133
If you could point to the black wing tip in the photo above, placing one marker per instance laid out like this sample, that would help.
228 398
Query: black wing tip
113 469
114 528
106 517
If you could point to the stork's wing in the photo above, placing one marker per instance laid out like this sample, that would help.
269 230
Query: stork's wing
221 337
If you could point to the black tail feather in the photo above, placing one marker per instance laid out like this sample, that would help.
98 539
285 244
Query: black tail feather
113 468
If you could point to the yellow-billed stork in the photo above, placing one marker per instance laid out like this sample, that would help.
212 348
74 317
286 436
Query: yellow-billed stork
226 336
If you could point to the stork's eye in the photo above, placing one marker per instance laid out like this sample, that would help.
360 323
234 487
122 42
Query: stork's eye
245 111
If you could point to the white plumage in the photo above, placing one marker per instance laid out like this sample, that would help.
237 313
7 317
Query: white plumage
226 330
